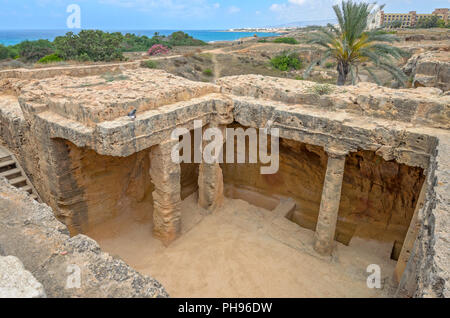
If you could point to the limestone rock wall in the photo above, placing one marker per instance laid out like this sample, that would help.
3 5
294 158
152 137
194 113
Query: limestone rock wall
30 231
108 187
430 267
15 135
78 71
423 106
96 188
378 197
16 281
430 69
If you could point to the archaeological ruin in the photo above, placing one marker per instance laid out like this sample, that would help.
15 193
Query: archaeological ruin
363 179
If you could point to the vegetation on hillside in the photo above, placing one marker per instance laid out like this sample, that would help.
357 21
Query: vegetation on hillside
93 45
286 62
28 51
149 64
158 49
423 23
7 52
90 45
352 46
285 40
431 22
52 58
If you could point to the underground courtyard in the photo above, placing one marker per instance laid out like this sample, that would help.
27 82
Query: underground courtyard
358 171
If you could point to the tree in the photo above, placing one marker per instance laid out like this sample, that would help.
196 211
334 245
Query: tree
430 22
353 46
90 45
7 52
395 24
33 51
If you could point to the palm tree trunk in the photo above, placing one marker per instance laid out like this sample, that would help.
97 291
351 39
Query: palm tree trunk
343 70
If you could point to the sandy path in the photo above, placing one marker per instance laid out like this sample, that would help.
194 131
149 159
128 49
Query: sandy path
228 255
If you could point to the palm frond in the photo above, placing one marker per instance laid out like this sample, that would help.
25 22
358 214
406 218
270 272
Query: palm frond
397 73
373 75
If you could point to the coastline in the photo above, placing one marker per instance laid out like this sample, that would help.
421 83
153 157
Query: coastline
13 37
280 31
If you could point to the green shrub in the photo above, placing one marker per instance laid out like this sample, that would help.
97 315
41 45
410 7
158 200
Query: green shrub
8 52
4 52
111 77
208 72
430 22
381 32
262 41
395 24
93 45
321 89
33 51
83 57
134 43
183 39
52 58
90 45
286 40
286 62
330 64
149 64
299 78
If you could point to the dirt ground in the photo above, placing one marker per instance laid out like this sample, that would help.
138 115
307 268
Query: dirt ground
241 251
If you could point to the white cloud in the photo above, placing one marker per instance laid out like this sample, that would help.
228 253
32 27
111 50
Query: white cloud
297 2
302 10
291 4
234 9
277 7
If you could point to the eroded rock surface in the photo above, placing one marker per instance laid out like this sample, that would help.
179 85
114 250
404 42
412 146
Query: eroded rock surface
66 266
16 281
430 69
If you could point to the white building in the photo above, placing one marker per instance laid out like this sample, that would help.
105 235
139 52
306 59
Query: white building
375 19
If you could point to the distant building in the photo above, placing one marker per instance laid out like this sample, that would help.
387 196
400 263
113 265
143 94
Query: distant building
410 19
374 21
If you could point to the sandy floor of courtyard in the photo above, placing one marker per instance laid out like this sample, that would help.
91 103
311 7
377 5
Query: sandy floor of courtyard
241 251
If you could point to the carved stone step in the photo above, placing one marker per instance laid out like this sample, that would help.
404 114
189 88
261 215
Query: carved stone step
18 180
7 163
10 172
27 188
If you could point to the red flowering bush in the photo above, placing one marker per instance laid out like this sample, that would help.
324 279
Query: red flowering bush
158 49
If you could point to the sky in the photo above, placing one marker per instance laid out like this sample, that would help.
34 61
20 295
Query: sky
180 14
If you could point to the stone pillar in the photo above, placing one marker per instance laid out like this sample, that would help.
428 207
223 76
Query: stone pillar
329 207
210 179
58 186
166 177
411 236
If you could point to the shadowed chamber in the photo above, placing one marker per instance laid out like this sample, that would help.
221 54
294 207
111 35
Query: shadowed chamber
377 202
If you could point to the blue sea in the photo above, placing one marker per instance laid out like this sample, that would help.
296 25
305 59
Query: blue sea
12 37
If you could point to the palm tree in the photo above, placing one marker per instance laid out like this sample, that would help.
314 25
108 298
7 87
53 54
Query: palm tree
353 46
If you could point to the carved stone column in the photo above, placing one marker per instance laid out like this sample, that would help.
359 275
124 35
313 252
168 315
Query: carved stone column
411 236
329 206
166 177
210 180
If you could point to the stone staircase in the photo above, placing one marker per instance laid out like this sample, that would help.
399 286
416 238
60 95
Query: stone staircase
13 172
